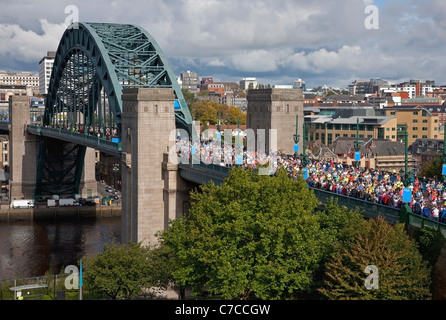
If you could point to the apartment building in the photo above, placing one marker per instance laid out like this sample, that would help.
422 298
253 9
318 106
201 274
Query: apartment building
326 129
45 69
27 79
419 122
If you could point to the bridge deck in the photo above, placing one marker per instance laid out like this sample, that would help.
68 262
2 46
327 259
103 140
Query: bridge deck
202 173
109 147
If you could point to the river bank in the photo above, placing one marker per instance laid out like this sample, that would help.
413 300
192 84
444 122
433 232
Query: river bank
58 213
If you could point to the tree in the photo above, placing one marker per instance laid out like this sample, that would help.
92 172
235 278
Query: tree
204 112
430 241
254 236
235 114
402 273
432 168
120 271
189 97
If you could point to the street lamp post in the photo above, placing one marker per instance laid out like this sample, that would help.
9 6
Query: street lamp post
406 158
444 150
304 150
406 149
296 137
356 143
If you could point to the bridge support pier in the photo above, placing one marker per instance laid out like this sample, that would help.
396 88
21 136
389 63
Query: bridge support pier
88 184
176 191
149 192
23 150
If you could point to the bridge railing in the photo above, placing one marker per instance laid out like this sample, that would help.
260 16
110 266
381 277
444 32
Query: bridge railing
214 167
77 137
369 209
373 210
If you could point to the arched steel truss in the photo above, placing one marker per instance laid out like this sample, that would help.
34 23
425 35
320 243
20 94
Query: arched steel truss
94 62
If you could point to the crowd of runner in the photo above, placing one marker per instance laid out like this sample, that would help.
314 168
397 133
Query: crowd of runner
384 188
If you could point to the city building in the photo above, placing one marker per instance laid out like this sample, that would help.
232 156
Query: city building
378 154
366 87
27 79
327 128
249 83
419 122
45 69
189 81
424 150
416 87
7 91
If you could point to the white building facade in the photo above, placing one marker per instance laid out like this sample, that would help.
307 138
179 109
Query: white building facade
45 69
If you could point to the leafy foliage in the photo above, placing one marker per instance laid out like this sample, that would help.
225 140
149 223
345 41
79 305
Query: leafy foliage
207 113
403 274
433 168
120 271
252 237
430 241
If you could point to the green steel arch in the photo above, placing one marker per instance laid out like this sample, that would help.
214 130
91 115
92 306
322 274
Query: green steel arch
94 62
95 58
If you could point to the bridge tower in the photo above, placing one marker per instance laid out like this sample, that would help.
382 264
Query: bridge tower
276 108
152 189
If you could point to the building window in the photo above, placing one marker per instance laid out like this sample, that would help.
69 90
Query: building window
415 120
425 129
415 113
415 136
415 128
424 120
424 137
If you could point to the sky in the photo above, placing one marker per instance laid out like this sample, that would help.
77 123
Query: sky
323 42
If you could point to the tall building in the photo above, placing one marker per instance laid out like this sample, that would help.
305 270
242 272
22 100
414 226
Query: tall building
45 68
189 81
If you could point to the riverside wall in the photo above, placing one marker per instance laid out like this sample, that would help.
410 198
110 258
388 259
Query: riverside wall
58 213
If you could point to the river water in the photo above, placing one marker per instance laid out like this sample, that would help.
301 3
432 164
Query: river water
29 249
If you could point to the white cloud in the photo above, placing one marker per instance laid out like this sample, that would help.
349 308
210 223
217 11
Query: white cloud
28 45
322 39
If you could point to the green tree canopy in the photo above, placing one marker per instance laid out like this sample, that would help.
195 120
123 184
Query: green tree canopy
119 271
402 273
254 236
207 113
432 169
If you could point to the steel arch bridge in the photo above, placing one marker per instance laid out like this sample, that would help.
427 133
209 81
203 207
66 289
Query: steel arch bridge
94 62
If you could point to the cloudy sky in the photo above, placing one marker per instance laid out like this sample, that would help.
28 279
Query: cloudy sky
324 42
